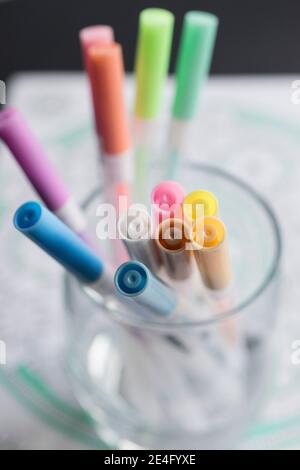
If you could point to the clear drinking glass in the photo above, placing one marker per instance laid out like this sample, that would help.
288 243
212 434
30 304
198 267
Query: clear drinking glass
194 382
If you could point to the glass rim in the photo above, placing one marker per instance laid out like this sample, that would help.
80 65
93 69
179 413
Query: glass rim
238 309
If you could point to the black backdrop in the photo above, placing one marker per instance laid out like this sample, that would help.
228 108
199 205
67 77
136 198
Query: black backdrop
255 36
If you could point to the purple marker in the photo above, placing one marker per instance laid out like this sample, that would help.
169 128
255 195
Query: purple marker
34 162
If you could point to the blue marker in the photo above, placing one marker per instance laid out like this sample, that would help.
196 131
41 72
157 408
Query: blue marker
43 227
133 279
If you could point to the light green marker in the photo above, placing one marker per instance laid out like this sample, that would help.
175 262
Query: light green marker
151 69
192 67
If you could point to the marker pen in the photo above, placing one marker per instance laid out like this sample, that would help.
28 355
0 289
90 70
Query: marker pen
135 229
212 254
212 257
112 120
94 36
191 70
43 228
172 237
198 204
166 201
135 280
151 69
35 164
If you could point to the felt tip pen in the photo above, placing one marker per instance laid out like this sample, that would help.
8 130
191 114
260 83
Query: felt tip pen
112 120
43 228
133 279
198 204
135 230
34 162
152 60
191 70
166 201
94 36
212 254
172 238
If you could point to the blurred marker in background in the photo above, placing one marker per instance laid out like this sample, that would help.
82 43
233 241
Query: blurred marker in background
31 157
192 67
94 36
151 69
112 120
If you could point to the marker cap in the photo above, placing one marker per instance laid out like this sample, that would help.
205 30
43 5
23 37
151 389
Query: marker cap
113 123
97 35
152 59
200 203
166 201
24 146
194 59
133 279
49 233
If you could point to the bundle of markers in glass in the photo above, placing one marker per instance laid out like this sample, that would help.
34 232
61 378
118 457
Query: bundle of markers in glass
169 249
164 245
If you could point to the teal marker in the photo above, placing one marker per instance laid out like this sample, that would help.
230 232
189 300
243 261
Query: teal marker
192 67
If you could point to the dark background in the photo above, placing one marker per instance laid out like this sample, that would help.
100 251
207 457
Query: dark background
257 36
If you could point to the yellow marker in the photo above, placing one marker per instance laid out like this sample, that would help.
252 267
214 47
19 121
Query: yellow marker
201 203
211 253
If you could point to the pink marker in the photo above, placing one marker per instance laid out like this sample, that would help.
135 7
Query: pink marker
34 162
94 36
166 201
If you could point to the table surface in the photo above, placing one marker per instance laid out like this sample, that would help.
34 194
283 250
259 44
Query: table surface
248 126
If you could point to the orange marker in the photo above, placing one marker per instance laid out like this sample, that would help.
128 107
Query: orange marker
94 36
108 70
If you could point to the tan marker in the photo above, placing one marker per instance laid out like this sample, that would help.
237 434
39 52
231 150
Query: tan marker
172 239
211 253
212 257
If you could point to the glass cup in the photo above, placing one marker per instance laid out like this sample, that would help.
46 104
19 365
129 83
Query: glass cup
195 381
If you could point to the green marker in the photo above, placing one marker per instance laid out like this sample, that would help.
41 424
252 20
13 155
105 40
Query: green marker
192 67
151 69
